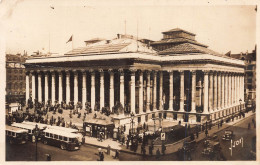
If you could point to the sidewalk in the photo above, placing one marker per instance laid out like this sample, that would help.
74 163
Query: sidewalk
170 148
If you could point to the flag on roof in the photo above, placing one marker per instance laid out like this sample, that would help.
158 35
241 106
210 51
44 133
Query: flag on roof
69 39
228 53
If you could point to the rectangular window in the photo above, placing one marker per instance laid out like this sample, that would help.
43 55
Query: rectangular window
65 139
55 136
60 137
139 119
51 135
13 134
47 134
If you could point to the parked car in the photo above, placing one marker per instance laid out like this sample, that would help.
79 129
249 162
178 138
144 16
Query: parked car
228 135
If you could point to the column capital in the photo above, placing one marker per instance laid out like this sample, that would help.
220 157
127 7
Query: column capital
38 71
100 70
148 71
83 71
155 71
206 72
111 71
132 70
75 71
121 70
193 71
181 71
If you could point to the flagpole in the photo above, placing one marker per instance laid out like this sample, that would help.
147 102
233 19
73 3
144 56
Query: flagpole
72 42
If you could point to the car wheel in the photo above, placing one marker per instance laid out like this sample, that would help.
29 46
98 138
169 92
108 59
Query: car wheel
45 142
63 147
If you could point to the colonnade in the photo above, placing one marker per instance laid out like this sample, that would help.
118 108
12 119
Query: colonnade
220 90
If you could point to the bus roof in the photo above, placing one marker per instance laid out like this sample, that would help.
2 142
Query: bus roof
22 125
15 129
63 129
62 133
40 125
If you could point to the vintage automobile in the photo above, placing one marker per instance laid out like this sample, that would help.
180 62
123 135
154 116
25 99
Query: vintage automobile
212 148
228 135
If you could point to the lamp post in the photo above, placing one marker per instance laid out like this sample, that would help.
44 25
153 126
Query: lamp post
240 101
132 122
36 134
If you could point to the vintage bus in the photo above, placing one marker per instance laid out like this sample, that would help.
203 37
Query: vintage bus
15 135
30 129
64 140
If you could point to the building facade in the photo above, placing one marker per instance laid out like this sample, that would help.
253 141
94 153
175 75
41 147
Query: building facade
185 81
15 78
250 74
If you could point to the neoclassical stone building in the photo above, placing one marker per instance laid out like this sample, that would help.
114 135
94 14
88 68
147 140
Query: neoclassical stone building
176 78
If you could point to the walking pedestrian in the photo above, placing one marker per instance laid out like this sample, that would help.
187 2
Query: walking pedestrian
108 149
150 150
83 139
163 149
249 125
158 154
116 154
197 134
48 158
127 143
102 156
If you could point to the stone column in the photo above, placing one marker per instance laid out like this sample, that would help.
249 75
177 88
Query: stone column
60 87
206 92
141 92
171 90
33 87
161 92
226 90
215 91
76 94
222 91
193 91
84 88
243 90
27 86
102 89
67 87
211 104
46 93
122 87
148 94
230 89
219 90
233 89
111 89
132 101
154 89
53 87
93 90
181 91
39 86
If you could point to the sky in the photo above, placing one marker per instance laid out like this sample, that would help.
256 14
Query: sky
48 24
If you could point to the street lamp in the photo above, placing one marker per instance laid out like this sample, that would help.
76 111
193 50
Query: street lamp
36 134
240 101
132 121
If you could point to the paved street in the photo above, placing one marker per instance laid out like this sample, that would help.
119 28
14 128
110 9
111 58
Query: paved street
88 153
240 130
26 152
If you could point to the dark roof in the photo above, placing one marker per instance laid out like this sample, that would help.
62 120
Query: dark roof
178 40
186 48
104 48
178 30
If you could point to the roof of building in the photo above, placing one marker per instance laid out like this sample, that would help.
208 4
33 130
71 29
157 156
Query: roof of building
177 41
112 46
178 30
187 48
